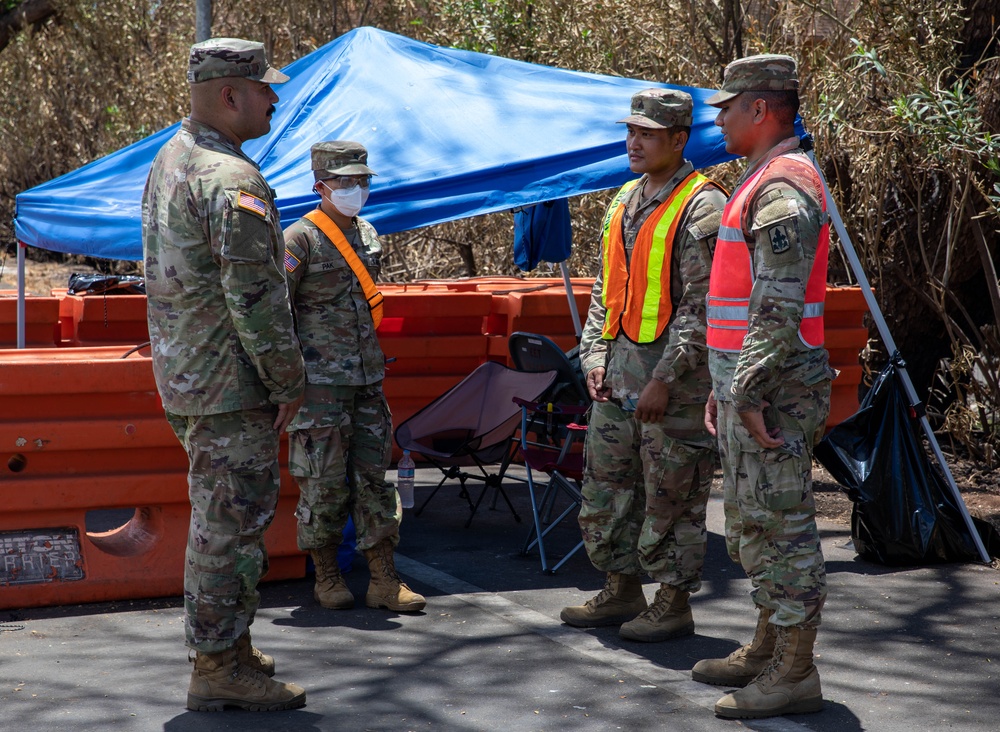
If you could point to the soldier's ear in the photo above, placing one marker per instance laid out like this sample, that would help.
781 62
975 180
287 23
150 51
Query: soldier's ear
228 95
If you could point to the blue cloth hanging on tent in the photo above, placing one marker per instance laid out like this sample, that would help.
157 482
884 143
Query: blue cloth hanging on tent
542 232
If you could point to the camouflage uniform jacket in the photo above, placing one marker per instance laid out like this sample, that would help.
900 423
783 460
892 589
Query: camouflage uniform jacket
219 320
332 316
773 353
678 356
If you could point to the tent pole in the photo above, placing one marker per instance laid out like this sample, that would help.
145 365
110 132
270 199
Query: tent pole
571 296
20 294
890 344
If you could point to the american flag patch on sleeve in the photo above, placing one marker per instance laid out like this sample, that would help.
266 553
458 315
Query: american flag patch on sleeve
291 261
250 202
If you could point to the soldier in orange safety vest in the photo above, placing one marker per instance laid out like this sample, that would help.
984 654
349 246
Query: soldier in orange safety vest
649 457
771 387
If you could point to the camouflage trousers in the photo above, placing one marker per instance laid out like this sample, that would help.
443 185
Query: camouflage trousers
340 469
770 513
644 499
233 488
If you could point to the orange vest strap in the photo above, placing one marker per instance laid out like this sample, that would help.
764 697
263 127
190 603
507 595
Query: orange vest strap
334 234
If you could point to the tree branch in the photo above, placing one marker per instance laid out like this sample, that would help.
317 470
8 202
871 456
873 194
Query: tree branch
27 13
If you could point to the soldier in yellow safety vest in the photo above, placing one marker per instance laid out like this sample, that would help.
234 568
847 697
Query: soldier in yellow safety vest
649 457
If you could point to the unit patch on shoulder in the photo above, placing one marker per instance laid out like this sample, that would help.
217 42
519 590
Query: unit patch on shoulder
250 202
291 261
778 236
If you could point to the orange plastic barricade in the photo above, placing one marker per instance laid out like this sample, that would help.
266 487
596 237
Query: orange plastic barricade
41 320
846 335
537 306
102 320
83 435
435 336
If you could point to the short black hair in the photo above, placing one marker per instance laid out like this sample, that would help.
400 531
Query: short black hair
784 105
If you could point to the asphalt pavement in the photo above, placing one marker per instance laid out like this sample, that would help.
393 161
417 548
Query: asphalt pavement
900 650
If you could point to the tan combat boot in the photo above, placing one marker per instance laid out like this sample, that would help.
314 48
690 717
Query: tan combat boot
619 601
789 684
385 590
741 666
219 680
668 617
250 656
330 590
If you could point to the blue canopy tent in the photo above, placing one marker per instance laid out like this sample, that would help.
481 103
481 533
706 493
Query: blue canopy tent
452 134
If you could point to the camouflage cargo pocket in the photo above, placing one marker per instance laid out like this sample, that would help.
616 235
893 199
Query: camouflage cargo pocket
775 476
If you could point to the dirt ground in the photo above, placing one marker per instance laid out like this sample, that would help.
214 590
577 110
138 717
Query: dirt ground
41 277
979 485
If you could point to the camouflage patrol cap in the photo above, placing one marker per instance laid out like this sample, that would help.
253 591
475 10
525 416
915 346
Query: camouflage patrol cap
659 109
223 57
339 157
766 72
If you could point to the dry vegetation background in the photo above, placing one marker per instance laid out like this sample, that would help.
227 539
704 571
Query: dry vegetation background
902 96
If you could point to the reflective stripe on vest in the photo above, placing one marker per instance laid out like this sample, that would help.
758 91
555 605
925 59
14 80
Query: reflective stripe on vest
636 295
732 278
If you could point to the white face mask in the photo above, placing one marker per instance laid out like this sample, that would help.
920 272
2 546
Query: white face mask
349 201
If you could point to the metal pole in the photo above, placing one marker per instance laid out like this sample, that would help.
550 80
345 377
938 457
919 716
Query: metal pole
890 344
571 296
202 20
20 294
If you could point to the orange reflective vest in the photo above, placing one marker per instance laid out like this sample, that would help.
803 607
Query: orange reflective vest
731 281
637 297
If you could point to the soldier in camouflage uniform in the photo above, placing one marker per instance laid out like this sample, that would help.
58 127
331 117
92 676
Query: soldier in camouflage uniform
649 459
226 360
340 441
771 387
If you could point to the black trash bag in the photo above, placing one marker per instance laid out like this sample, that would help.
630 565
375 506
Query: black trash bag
904 513
97 284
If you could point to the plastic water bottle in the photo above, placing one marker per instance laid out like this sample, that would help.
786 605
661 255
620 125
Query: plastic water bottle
404 479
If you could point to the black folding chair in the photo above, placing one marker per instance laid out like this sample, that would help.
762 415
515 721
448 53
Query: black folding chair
535 352
560 460
552 429
473 425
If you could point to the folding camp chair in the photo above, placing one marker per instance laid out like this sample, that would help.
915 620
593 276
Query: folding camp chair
473 425
550 436
535 352
559 459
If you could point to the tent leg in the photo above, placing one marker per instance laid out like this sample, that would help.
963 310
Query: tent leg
20 294
890 344
572 301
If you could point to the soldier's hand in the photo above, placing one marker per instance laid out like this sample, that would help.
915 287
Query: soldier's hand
285 414
712 415
595 385
766 438
653 402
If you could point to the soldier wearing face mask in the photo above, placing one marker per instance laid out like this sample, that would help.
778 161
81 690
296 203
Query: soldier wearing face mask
340 440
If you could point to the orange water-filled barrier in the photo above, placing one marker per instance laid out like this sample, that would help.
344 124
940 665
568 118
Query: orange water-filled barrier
41 320
82 430
102 320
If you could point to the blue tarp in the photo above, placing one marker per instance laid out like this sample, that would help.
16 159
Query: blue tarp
542 233
451 133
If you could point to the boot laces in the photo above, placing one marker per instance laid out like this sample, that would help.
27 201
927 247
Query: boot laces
660 607
780 644
603 596
247 676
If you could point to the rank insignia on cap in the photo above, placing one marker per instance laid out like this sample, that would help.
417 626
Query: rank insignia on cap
780 241
291 261
250 202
